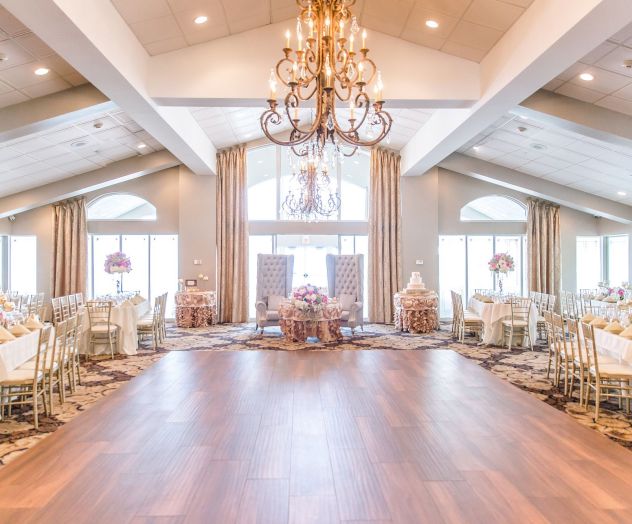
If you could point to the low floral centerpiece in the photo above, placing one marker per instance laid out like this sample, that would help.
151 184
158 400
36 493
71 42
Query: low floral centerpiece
501 264
618 293
309 298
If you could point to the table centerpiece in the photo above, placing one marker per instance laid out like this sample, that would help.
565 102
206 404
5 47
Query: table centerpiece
116 264
501 264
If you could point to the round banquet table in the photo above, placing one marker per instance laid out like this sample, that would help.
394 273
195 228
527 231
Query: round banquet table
298 325
416 313
196 309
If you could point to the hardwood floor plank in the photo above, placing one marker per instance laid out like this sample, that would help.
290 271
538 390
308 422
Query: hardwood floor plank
264 500
314 510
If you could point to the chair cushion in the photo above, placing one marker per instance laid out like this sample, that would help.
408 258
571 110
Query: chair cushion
346 301
516 323
272 315
145 322
103 328
30 364
614 369
274 301
20 376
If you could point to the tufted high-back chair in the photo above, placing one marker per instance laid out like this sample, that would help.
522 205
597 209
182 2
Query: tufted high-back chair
274 283
345 280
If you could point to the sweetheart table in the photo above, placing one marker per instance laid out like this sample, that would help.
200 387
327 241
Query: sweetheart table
298 324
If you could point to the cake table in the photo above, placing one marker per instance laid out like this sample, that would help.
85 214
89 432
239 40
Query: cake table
196 309
416 307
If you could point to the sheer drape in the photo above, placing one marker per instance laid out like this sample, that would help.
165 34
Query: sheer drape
543 246
384 234
232 235
70 248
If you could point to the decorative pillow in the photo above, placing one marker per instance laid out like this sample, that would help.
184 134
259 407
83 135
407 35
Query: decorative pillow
346 301
274 301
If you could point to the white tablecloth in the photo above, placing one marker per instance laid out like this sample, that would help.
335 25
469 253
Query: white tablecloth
16 352
614 346
493 314
125 316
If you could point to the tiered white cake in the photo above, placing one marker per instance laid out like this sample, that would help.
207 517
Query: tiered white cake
415 285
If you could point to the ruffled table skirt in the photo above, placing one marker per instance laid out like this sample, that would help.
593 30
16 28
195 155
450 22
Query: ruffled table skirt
416 313
195 316
298 325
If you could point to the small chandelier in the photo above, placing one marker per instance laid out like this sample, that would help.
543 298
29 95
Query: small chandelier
326 68
311 193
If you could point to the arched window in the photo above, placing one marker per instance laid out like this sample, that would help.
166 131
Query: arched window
494 208
121 206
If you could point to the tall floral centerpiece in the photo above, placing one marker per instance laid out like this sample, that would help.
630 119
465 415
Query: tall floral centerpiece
501 264
310 299
116 264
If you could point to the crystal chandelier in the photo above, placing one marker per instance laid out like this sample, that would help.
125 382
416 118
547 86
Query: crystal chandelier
325 68
311 194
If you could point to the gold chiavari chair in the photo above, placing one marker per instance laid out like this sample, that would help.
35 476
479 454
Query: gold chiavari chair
65 307
607 380
57 310
519 323
101 327
26 386
553 357
150 325
79 299
454 312
72 302
73 345
565 357
163 315
467 321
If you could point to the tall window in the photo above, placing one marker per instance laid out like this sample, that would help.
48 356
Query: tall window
494 208
272 231
121 206
618 255
23 264
589 262
154 265
463 265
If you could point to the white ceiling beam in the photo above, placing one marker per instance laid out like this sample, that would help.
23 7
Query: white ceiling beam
537 187
233 71
52 111
547 39
107 176
579 117
94 39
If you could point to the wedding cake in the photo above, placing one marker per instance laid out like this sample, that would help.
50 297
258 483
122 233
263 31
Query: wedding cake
415 285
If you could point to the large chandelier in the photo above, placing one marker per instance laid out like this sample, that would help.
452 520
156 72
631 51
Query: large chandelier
326 68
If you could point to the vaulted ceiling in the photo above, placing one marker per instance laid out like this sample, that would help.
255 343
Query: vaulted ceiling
462 88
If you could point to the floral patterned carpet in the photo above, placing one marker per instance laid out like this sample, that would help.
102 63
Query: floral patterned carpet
523 368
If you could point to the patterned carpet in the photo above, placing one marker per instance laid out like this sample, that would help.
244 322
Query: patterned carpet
523 368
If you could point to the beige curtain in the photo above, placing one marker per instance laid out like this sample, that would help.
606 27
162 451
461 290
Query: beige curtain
543 246
384 234
232 235
70 248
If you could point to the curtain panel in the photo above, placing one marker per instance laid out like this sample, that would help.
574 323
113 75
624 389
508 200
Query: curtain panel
70 248
543 246
232 235
384 234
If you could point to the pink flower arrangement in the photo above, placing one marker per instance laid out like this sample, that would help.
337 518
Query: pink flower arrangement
501 263
117 263
309 296
618 291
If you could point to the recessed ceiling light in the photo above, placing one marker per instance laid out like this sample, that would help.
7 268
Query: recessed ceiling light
41 71
432 24
141 146
79 143
586 77
621 193
248 135
200 19
538 147
476 148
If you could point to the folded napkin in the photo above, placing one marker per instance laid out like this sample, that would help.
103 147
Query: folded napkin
5 336
138 300
588 317
627 332
614 327
8 306
487 300
32 323
599 322
18 330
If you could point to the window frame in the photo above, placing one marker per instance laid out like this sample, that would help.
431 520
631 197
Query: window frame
115 193
486 221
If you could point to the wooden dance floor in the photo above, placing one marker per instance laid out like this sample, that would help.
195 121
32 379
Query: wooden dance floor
315 437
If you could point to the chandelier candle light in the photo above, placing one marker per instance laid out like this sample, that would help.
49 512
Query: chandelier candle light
326 69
